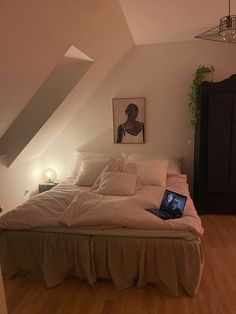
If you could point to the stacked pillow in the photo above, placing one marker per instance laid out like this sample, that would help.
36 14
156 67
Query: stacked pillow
117 183
152 172
89 171
121 176
113 166
174 166
118 179
78 157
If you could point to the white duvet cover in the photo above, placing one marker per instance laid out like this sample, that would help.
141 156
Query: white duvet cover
69 205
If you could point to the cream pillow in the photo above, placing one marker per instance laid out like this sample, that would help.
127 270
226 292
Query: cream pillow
89 171
117 184
152 172
174 167
131 167
79 156
113 166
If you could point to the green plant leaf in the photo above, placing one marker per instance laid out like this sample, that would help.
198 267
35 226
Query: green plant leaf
194 94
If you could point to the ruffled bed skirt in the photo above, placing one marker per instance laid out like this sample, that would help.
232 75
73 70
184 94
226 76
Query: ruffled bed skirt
174 265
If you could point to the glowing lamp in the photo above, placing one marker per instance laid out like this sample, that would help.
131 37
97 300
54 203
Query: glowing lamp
49 175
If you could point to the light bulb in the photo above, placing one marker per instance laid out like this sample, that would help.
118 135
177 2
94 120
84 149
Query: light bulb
49 175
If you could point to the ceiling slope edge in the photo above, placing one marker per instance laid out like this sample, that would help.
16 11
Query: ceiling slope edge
43 104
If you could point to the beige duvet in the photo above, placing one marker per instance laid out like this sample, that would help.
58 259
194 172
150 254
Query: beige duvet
71 206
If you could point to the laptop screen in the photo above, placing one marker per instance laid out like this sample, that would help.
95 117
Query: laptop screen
173 203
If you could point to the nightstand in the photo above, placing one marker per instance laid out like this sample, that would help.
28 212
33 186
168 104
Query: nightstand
43 187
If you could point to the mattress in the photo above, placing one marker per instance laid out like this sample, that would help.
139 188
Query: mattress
121 232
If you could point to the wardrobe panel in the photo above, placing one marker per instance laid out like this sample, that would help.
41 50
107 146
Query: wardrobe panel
215 148
219 143
233 150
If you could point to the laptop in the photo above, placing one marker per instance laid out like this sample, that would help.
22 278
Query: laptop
172 206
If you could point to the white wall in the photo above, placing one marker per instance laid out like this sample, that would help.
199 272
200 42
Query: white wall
35 36
15 180
160 72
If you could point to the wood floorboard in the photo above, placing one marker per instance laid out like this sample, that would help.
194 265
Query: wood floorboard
216 295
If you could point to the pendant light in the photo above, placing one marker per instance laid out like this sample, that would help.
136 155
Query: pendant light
225 32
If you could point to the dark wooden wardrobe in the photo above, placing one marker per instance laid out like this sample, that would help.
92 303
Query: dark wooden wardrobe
215 148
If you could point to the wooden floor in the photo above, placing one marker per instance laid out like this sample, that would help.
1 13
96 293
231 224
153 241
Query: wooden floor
217 293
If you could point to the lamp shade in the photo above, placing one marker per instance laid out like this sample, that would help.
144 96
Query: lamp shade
228 28
225 32
49 175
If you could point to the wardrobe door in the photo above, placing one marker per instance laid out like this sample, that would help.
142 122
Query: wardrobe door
215 148
233 151
221 154
219 143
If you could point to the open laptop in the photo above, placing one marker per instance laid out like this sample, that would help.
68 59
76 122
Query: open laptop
172 206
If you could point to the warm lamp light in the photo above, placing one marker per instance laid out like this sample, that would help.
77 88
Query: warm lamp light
49 175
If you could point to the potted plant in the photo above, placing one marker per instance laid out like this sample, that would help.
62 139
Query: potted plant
199 76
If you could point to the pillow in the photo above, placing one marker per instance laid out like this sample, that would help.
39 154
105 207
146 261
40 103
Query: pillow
79 156
152 172
174 167
117 184
131 167
89 171
113 166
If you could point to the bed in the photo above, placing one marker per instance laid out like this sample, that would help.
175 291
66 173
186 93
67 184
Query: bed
78 231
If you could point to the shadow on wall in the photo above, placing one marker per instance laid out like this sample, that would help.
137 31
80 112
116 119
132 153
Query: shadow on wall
41 106
99 143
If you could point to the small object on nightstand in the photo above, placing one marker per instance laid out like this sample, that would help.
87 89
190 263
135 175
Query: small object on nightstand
49 175
43 187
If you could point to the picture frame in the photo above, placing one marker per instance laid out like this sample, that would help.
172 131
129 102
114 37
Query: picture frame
129 120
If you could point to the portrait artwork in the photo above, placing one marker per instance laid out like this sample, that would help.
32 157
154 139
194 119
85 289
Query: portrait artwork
128 120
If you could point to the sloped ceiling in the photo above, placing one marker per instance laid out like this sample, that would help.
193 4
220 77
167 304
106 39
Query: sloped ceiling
155 21
35 35
43 103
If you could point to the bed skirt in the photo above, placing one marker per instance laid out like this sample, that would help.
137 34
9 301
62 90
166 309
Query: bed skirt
173 264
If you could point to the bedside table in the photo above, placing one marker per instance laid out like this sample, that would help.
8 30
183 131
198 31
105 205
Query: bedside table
43 187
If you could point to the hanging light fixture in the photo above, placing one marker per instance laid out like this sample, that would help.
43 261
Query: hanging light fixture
225 32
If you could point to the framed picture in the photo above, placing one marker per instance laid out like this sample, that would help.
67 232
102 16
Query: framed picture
128 120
